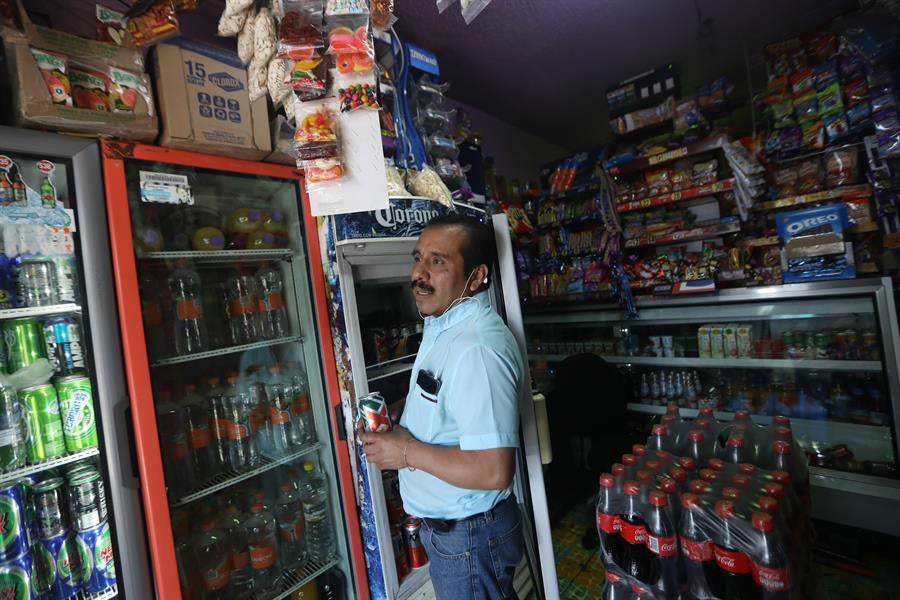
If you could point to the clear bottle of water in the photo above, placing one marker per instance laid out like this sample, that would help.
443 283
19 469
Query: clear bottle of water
262 543
239 554
291 527
243 308
317 513
273 316
199 437
177 462
280 418
260 423
218 424
211 552
242 439
190 326
301 412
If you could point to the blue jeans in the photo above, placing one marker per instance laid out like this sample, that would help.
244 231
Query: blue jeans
475 558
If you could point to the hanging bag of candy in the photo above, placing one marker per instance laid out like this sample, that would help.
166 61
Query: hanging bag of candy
309 78
300 34
357 92
316 135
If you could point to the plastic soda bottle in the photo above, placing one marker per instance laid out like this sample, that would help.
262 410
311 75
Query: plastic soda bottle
261 541
316 512
239 555
273 316
211 553
190 326
291 527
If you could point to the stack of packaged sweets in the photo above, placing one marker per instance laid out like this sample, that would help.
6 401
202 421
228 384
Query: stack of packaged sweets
707 510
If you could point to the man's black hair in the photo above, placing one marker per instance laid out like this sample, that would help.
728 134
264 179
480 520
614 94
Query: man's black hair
478 243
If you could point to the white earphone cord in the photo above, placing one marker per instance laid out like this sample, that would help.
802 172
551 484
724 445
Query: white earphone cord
460 299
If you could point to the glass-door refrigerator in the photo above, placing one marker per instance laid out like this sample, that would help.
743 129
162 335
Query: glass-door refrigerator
243 470
377 331
69 499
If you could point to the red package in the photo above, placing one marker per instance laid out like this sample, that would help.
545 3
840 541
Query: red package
300 31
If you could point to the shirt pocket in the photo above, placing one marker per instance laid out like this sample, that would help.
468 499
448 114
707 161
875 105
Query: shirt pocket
424 413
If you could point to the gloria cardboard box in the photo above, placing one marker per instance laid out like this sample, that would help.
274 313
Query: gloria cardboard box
68 83
205 104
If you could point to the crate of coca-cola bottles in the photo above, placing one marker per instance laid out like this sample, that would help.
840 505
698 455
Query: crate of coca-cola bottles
707 510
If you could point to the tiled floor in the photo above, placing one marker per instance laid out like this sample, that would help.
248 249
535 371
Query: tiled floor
872 573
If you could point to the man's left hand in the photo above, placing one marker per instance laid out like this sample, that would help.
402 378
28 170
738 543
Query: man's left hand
386 449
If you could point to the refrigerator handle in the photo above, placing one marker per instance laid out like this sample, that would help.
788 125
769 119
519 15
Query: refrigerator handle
129 434
339 422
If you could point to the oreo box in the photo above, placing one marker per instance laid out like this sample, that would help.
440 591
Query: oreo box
205 102
813 244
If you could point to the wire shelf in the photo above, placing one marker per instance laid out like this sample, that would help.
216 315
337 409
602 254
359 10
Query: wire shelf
293 580
38 311
223 256
230 478
48 464
224 351
110 592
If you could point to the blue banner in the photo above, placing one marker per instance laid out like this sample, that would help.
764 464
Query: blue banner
404 218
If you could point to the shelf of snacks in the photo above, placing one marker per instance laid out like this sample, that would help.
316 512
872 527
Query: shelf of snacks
591 217
706 145
592 185
833 194
763 242
700 232
861 228
680 196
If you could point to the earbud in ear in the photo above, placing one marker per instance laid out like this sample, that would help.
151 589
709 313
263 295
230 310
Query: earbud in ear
485 280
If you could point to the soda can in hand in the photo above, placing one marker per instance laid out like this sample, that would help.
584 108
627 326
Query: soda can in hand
373 413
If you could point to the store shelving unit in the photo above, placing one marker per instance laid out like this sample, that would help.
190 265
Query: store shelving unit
674 197
701 147
862 366
53 463
225 351
833 194
230 478
38 311
222 256
697 233
390 368
293 580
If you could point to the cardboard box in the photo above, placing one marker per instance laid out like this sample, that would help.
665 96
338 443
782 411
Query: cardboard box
205 103
32 104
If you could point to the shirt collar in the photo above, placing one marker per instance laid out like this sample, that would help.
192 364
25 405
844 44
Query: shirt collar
458 313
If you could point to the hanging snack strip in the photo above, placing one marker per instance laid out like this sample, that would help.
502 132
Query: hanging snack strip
317 145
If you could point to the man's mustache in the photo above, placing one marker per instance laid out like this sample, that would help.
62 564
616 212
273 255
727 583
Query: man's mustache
421 285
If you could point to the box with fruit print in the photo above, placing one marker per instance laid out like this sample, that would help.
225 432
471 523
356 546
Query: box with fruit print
67 83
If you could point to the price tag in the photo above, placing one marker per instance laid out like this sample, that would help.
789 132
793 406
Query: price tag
165 188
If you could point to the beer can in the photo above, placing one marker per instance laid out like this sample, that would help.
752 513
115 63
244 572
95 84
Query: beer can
27 483
76 407
57 565
870 348
17 578
49 500
95 552
45 431
13 431
36 282
373 413
392 498
379 339
851 338
399 553
87 499
62 339
24 343
13 515
822 342
415 549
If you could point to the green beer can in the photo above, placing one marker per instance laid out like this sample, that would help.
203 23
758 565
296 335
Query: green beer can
24 343
45 430
76 407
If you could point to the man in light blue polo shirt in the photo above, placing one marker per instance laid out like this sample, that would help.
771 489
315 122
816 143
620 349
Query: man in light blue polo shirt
455 446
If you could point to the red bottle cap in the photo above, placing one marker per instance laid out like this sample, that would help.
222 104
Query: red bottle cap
747 468
782 433
705 412
672 408
678 474
658 498
740 479
767 504
732 493
775 490
668 485
644 477
632 488
618 469
659 429
639 450
697 486
741 415
763 521
606 480
781 421
653 465
782 477
696 435
781 448
725 508
708 475
666 419
687 462
628 459
690 500
736 441
663 456
716 464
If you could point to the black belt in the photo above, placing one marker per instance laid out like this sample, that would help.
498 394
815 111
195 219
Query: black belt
445 525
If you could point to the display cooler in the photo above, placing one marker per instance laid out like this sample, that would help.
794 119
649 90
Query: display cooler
823 354
377 330
232 386
56 302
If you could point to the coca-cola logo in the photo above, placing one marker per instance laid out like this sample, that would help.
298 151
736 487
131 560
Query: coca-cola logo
726 561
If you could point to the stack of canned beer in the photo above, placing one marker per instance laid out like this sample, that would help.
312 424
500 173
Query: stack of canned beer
56 539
